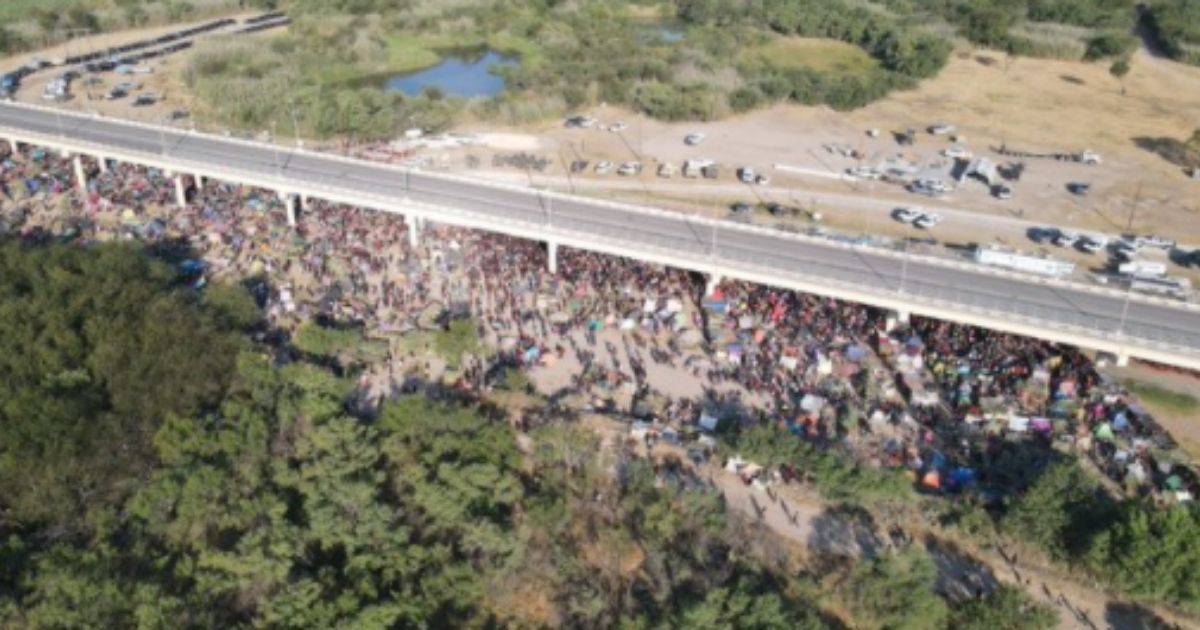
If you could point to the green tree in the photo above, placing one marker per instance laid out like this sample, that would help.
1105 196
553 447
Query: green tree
1119 69
1061 512
1006 608
897 593
96 349
1152 553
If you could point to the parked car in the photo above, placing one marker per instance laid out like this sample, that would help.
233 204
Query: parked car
1157 242
693 139
1066 239
746 175
906 215
604 168
1079 188
665 170
1091 244
1002 191
741 208
863 172
583 122
927 220
712 171
618 127
957 153
941 129
629 168
1043 234
579 166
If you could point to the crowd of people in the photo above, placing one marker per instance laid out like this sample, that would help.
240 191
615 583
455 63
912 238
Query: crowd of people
959 407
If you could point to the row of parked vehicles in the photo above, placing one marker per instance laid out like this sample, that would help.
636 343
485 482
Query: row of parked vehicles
922 219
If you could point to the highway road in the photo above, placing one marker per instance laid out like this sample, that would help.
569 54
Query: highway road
699 244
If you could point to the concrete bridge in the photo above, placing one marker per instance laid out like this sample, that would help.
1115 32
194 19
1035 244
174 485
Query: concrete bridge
1118 322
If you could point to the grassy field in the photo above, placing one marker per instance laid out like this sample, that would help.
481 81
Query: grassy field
1156 397
822 55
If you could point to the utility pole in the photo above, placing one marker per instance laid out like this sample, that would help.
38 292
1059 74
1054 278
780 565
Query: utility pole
1137 198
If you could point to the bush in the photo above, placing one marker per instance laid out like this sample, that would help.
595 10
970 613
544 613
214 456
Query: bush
1110 44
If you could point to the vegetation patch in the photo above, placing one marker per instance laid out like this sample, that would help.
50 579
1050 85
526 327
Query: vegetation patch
1173 402
821 55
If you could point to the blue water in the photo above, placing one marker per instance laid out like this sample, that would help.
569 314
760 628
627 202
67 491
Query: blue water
663 33
457 75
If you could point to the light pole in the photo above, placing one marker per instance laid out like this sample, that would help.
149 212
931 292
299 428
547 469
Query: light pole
295 123
1125 308
275 152
162 135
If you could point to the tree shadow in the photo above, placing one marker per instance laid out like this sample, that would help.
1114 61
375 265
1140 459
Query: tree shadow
960 576
845 531
1127 616
1073 80
1184 154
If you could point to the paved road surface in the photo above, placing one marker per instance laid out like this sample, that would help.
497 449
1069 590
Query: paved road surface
864 270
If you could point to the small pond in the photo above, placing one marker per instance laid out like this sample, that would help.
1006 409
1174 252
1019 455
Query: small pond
461 74
663 32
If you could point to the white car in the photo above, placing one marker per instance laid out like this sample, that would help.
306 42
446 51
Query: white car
666 170
906 215
941 129
1092 244
629 168
693 139
1066 239
1157 242
863 172
746 175
618 127
927 220
604 168
957 153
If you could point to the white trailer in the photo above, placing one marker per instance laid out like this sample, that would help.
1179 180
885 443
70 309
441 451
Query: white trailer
1143 269
1043 266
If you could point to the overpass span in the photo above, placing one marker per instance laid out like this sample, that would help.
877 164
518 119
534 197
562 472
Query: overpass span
1118 322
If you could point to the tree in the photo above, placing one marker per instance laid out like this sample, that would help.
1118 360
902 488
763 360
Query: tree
1006 608
1153 553
1061 512
97 348
897 593
1119 69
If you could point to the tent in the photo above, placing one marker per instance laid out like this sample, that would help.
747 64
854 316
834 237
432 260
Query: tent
1104 432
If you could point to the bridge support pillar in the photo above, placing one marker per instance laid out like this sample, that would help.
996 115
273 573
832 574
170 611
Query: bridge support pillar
289 202
80 175
552 257
16 147
895 318
180 192
710 287
414 231
1122 359
199 180
103 162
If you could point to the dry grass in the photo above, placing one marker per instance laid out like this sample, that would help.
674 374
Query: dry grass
823 55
